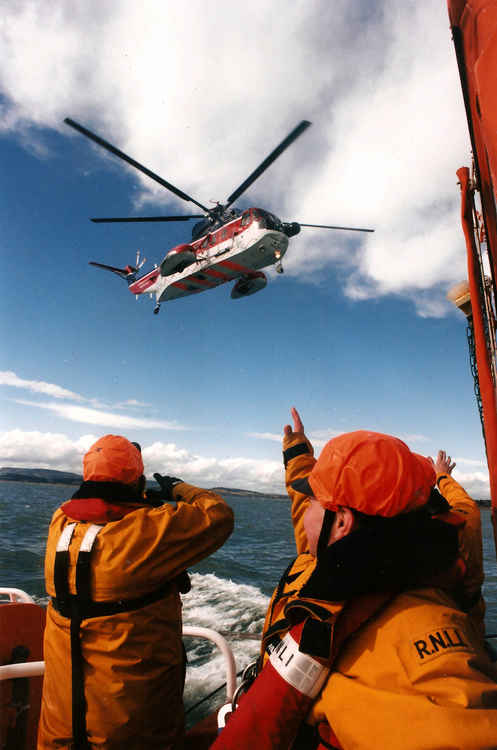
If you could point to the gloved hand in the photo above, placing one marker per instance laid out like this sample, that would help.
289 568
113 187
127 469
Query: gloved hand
166 485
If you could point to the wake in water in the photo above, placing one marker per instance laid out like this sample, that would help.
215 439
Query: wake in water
233 610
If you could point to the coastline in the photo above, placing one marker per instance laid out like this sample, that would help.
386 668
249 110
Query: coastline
52 476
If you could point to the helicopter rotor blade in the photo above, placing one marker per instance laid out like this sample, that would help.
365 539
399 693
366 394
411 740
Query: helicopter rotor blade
291 137
327 226
136 164
150 218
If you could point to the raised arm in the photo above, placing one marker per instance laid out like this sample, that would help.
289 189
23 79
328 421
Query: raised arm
298 457
470 535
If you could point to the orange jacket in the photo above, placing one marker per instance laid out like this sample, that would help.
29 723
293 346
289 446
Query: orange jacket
406 679
416 676
133 661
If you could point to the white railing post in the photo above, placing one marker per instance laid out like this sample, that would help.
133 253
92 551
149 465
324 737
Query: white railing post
222 644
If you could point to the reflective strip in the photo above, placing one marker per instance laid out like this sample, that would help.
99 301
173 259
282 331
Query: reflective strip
89 538
65 538
300 670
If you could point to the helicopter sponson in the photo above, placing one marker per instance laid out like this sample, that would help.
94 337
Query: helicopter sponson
249 285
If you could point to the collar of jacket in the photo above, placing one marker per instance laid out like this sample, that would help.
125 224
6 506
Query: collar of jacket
327 624
385 554
97 510
100 502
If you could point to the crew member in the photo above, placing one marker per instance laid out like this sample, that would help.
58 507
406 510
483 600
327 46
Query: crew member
115 566
367 642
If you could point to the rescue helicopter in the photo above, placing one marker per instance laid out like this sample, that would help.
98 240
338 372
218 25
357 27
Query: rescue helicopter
226 244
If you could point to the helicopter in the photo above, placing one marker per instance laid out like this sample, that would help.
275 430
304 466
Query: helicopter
226 244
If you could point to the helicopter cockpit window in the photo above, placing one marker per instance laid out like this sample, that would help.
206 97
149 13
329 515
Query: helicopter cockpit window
270 221
246 219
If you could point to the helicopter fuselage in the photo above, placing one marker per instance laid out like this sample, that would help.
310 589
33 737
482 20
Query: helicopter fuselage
236 249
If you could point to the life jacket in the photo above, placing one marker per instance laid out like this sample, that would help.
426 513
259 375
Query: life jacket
80 606
297 664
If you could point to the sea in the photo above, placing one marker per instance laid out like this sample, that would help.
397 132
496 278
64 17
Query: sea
230 589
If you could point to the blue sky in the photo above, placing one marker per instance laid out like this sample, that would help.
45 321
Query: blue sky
357 332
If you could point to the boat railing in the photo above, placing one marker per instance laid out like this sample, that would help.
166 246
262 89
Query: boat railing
16 595
37 668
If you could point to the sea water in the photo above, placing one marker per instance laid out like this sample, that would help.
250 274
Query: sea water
230 589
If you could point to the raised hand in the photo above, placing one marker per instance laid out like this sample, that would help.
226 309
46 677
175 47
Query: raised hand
444 463
297 423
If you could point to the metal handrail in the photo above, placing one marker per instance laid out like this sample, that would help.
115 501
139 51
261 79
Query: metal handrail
222 644
23 669
16 595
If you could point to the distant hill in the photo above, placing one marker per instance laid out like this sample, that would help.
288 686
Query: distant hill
252 493
52 476
43 476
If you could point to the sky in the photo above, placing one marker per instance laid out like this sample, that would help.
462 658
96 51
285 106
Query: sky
357 333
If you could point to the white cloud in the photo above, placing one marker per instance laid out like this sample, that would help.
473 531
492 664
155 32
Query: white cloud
94 416
223 88
317 437
43 450
131 403
475 483
471 462
412 438
9 378
56 451
257 474
265 436
38 386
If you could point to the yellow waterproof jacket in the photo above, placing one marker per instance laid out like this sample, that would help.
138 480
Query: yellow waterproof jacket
133 661
415 676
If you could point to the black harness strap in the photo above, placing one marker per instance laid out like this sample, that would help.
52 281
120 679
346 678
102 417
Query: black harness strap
295 450
105 609
72 606
83 596
80 606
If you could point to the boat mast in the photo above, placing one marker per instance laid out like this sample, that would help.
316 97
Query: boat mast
474 32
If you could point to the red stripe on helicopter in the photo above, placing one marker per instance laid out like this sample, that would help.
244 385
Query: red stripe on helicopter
216 274
235 266
203 282
193 280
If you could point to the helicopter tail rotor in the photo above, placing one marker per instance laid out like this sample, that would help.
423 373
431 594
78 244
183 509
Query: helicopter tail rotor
128 273
139 263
